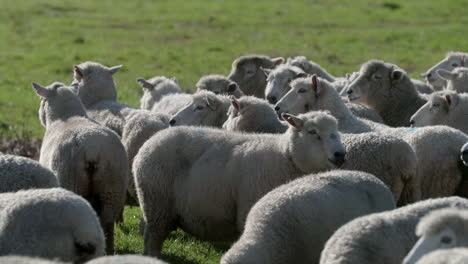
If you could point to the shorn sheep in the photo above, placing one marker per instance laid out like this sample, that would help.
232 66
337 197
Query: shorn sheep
219 84
278 80
49 223
247 73
446 256
441 229
156 88
220 174
291 223
87 158
457 79
19 173
450 62
391 159
438 171
126 259
385 237
443 108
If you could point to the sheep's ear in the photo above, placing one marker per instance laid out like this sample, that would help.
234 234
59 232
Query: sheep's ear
397 75
174 79
277 61
446 75
315 84
293 121
115 69
288 60
234 102
210 103
145 84
452 100
266 71
78 71
301 75
232 87
40 90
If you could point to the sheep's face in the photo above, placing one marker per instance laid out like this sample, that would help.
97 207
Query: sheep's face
316 143
279 81
457 79
219 85
436 111
202 111
449 63
443 240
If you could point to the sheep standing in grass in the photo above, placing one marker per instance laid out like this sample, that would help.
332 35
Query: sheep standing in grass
220 175
219 84
156 88
291 223
385 237
205 109
19 173
390 159
278 80
247 73
443 108
388 90
457 79
446 256
87 158
450 62
125 259
49 223
441 229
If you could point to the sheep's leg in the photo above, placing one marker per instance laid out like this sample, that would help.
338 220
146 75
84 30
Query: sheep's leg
109 234
156 231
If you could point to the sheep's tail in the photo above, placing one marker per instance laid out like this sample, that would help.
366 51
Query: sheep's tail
462 190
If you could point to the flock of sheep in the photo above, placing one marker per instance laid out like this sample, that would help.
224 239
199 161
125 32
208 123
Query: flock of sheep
323 170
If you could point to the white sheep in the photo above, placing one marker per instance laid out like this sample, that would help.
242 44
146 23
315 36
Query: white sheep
437 147
88 159
219 84
443 108
278 80
385 237
156 88
247 73
220 174
291 223
126 259
441 229
171 104
370 152
26 260
450 62
446 256
310 67
49 223
457 79
19 173
205 109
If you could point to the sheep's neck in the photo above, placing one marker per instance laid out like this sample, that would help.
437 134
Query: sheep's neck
92 92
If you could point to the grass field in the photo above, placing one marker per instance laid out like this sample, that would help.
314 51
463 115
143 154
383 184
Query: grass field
41 40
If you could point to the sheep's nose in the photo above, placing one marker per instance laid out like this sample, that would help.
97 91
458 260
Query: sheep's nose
172 122
339 158
411 122
350 91
272 99
277 108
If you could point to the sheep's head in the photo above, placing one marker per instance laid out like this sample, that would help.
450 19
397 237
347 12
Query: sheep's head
437 109
155 88
204 110
377 81
441 229
279 81
219 84
457 79
450 62
57 102
246 72
316 143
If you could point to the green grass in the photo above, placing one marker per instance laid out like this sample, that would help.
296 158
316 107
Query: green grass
41 40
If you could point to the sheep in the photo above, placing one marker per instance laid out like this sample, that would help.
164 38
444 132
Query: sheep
49 223
126 259
219 84
451 61
457 79
441 229
310 67
443 108
246 72
422 87
19 173
388 90
156 88
205 109
464 154
446 256
369 152
384 237
171 104
291 223
221 174
438 171
26 260
278 80
87 158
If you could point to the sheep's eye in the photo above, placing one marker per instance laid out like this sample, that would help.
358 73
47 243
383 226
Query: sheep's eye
200 107
435 105
446 240
455 65
302 90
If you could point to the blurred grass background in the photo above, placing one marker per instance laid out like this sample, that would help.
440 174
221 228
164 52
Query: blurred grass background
40 40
